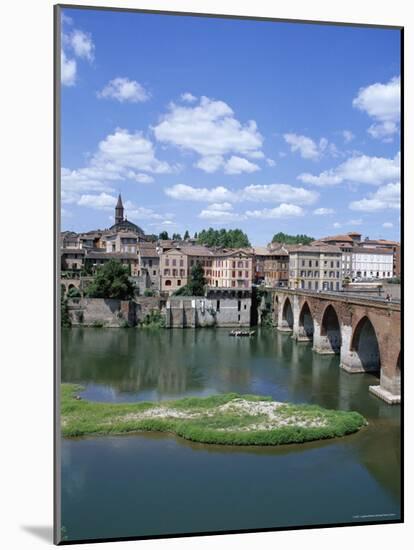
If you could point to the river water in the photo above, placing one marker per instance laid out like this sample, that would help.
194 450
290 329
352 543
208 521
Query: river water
154 484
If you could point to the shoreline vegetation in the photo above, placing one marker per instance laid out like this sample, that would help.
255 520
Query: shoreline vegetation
224 419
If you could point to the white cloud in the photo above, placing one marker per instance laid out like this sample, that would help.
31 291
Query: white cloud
323 211
278 192
186 192
67 70
103 201
210 164
382 103
221 206
308 148
188 97
282 211
387 196
81 44
122 155
217 214
358 221
107 202
209 129
124 90
270 162
358 169
348 136
387 225
274 193
237 165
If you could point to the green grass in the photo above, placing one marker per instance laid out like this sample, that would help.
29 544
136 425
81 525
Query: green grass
204 421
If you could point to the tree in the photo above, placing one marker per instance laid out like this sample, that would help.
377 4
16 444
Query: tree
291 239
195 235
163 236
176 237
195 287
228 238
186 235
111 281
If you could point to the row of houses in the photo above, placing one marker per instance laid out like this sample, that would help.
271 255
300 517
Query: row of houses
164 266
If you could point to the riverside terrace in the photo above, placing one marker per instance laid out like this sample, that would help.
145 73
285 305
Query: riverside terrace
365 332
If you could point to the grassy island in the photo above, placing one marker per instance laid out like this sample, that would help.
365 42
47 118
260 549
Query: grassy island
227 419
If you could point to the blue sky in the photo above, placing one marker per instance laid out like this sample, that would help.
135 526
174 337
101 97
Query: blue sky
204 122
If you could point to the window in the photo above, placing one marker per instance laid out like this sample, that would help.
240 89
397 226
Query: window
316 285
316 263
310 263
154 272
337 286
239 306
181 263
167 283
150 263
233 273
332 264
337 264
302 284
167 261
179 282
309 285
303 263
218 305
174 262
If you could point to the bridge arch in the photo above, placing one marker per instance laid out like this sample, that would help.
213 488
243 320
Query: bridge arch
330 330
287 315
365 346
306 325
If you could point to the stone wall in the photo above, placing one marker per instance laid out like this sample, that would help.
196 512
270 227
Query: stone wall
195 311
101 312
144 305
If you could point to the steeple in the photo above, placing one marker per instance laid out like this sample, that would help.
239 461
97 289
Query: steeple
119 210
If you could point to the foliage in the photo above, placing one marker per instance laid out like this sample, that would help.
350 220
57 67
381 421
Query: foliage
231 238
291 239
394 280
195 287
176 237
148 292
154 319
74 293
186 234
163 236
266 319
98 324
111 281
65 321
204 419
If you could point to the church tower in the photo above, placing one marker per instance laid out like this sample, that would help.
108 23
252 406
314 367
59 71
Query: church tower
119 210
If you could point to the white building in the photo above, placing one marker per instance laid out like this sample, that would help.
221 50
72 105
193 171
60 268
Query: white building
315 268
372 263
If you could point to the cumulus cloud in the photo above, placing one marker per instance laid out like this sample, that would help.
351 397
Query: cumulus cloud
274 193
387 196
237 165
382 103
284 210
348 136
107 202
188 97
75 44
120 156
215 213
358 169
308 148
209 129
67 70
124 90
323 211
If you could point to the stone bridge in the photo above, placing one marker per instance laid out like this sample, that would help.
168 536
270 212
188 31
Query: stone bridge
365 332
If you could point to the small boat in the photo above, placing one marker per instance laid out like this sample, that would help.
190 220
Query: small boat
242 333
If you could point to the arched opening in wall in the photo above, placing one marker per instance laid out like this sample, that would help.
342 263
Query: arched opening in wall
167 282
305 323
365 344
331 329
287 314
71 286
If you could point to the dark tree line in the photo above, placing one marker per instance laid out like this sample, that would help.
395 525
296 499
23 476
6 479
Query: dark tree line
228 238
291 239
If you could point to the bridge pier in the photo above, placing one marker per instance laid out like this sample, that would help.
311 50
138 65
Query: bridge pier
324 344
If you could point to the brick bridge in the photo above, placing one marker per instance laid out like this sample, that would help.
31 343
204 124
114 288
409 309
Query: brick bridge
365 332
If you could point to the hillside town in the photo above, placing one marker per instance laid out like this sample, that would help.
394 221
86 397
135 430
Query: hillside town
163 266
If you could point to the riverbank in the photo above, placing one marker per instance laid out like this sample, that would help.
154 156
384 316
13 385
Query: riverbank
228 419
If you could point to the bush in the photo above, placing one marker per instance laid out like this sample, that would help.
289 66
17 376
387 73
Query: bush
112 281
148 292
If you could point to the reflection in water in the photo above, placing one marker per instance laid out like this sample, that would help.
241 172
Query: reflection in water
152 484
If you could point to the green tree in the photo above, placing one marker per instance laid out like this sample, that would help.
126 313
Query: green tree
186 234
291 239
228 238
111 281
195 235
64 312
176 237
196 284
163 236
